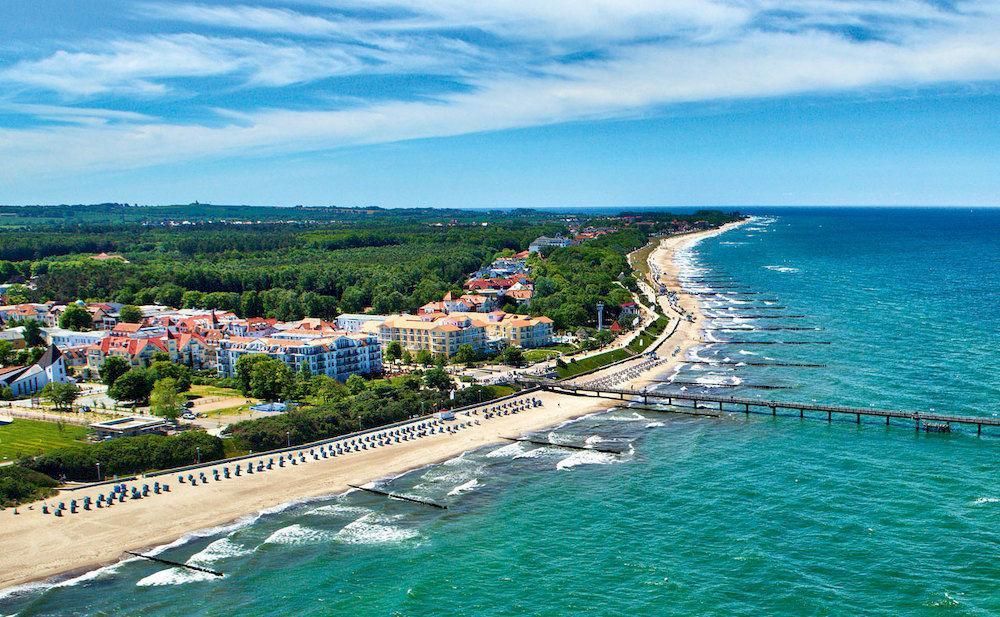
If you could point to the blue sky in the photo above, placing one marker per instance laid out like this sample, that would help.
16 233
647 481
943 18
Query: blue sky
504 103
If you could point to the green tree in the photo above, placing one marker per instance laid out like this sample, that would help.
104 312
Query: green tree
112 368
424 357
407 357
77 318
132 387
356 384
437 379
17 294
130 314
61 395
393 351
169 294
353 299
270 379
250 304
244 369
6 352
32 333
466 354
164 400
181 374
6 394
512 356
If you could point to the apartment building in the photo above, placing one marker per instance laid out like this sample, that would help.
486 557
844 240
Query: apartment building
436 332
338 355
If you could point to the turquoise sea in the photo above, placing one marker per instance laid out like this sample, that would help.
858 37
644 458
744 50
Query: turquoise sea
731 516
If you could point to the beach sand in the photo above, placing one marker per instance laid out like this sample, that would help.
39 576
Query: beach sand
37 546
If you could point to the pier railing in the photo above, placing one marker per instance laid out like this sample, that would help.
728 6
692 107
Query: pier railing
745 405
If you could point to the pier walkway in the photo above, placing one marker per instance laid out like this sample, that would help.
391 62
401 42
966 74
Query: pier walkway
745 405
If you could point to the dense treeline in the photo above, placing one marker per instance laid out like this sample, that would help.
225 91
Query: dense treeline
570 282
269 271
336 410
18 484
127 456
333 260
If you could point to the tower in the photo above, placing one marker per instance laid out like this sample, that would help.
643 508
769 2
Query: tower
600 316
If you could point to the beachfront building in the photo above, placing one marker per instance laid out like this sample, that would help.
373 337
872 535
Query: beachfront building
510 329
355 322
335 354
27 381
132 426
543 241
437 333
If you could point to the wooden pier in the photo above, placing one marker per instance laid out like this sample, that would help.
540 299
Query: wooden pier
939 422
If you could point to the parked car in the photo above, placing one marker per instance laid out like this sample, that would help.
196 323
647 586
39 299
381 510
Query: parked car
189 416
188 404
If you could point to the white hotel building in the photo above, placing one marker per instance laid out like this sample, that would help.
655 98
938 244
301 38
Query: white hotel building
338 355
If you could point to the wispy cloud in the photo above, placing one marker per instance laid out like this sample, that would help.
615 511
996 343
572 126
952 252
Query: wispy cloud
511 57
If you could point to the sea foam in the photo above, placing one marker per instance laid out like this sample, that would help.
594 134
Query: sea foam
366 531
297 534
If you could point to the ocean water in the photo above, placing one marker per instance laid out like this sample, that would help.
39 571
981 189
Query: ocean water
698 516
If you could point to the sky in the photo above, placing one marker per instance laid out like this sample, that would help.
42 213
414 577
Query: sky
501 103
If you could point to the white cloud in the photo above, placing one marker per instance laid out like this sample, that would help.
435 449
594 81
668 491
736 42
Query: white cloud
707 50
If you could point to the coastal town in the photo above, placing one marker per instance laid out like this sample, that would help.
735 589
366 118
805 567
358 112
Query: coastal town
202 386
491 309
179 369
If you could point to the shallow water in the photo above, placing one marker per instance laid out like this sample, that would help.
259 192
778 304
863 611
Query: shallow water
737 515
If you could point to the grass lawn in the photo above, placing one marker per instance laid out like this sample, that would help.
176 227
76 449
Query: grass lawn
540 354
647 336
197 392
228 411
501 391
30 437
640 257
603 359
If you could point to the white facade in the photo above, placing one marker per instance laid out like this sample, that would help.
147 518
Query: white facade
64 339
352 322
337 356
51 367
543 241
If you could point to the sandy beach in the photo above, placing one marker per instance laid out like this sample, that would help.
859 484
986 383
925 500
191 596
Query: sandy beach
37 546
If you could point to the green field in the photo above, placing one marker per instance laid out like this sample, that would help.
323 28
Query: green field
639 259
30 437
647 336
587 364
540 354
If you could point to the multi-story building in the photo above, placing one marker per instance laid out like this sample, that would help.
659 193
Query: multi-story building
28 380
64 339
436 332
355 322
337 355
542 241
511 329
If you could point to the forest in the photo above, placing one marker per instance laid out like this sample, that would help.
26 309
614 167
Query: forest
314 262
